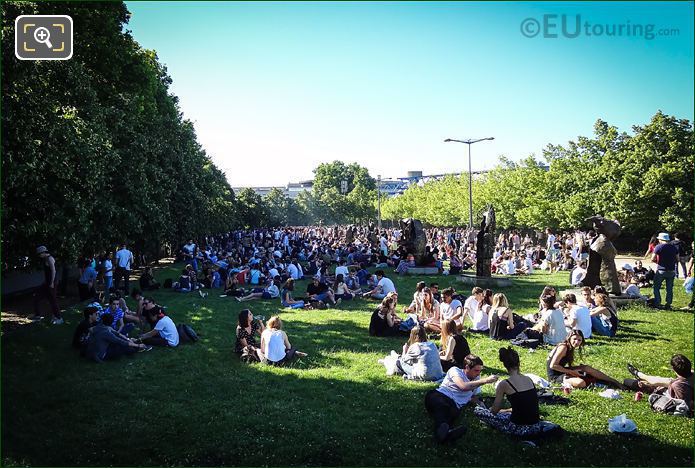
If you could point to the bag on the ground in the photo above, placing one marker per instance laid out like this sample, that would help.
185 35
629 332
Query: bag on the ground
408 324
662 403
523 340
186 333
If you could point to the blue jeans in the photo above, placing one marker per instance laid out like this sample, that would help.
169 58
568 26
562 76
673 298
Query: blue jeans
322 297
108 283
599 328
659 278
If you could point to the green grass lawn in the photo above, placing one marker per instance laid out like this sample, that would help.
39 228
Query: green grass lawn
198 405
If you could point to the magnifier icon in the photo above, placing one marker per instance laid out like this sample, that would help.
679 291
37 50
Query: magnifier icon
43 36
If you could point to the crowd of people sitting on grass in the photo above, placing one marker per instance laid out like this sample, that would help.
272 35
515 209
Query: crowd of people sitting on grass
267 264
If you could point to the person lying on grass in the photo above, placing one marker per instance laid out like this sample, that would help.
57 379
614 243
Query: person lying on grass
272 291
275 345
523 418
561 369
460 386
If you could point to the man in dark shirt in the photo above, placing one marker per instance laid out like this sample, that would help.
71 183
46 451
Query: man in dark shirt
318 291
105 343
665 256
79 339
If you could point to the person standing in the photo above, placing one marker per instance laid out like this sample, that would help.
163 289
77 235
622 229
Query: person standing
48 288
124 261
108 273
665 256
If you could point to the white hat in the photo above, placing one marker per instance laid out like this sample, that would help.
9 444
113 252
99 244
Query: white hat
663 236
627 267
41 249
621 424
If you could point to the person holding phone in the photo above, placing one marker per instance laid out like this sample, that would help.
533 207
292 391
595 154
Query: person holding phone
561 369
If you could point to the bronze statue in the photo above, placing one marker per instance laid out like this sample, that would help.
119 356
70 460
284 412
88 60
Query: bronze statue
413 239
602 252
350 235
485 243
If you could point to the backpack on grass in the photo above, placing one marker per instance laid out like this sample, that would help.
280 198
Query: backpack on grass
186 333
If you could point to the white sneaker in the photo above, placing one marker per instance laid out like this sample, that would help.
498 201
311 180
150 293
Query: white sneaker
57 321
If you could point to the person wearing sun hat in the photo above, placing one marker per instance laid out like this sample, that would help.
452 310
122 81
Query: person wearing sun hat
48 288
665 256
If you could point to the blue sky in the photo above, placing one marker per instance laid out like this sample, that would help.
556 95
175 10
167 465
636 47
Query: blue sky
274 89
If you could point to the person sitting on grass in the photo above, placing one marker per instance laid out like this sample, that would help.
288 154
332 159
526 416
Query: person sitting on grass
164 332
406 264
550 328
105 344
147 281
503 323
454 346
681 387
320 292
577 317
588 298
270 292
342 292
604 321
415 306
460 386
479 309
451 308
81 335
561 369
231 286
353 282
383 287
472 303
275 345
523 418
385 321
117 314
420 358
429 313
286 296
183 285
246 330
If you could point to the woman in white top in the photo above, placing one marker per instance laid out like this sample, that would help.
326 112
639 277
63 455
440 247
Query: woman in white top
430 312
479 316
275 345
341 290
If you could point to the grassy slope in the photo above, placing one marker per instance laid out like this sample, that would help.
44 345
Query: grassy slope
198 405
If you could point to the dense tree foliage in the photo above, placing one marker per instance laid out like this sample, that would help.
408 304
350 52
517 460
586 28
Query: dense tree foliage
95 149
344 193
644 180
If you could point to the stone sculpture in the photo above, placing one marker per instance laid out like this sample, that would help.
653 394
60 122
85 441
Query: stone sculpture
485 244
602 252
413 239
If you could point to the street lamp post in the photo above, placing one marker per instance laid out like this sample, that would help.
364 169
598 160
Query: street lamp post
469 142
378 198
